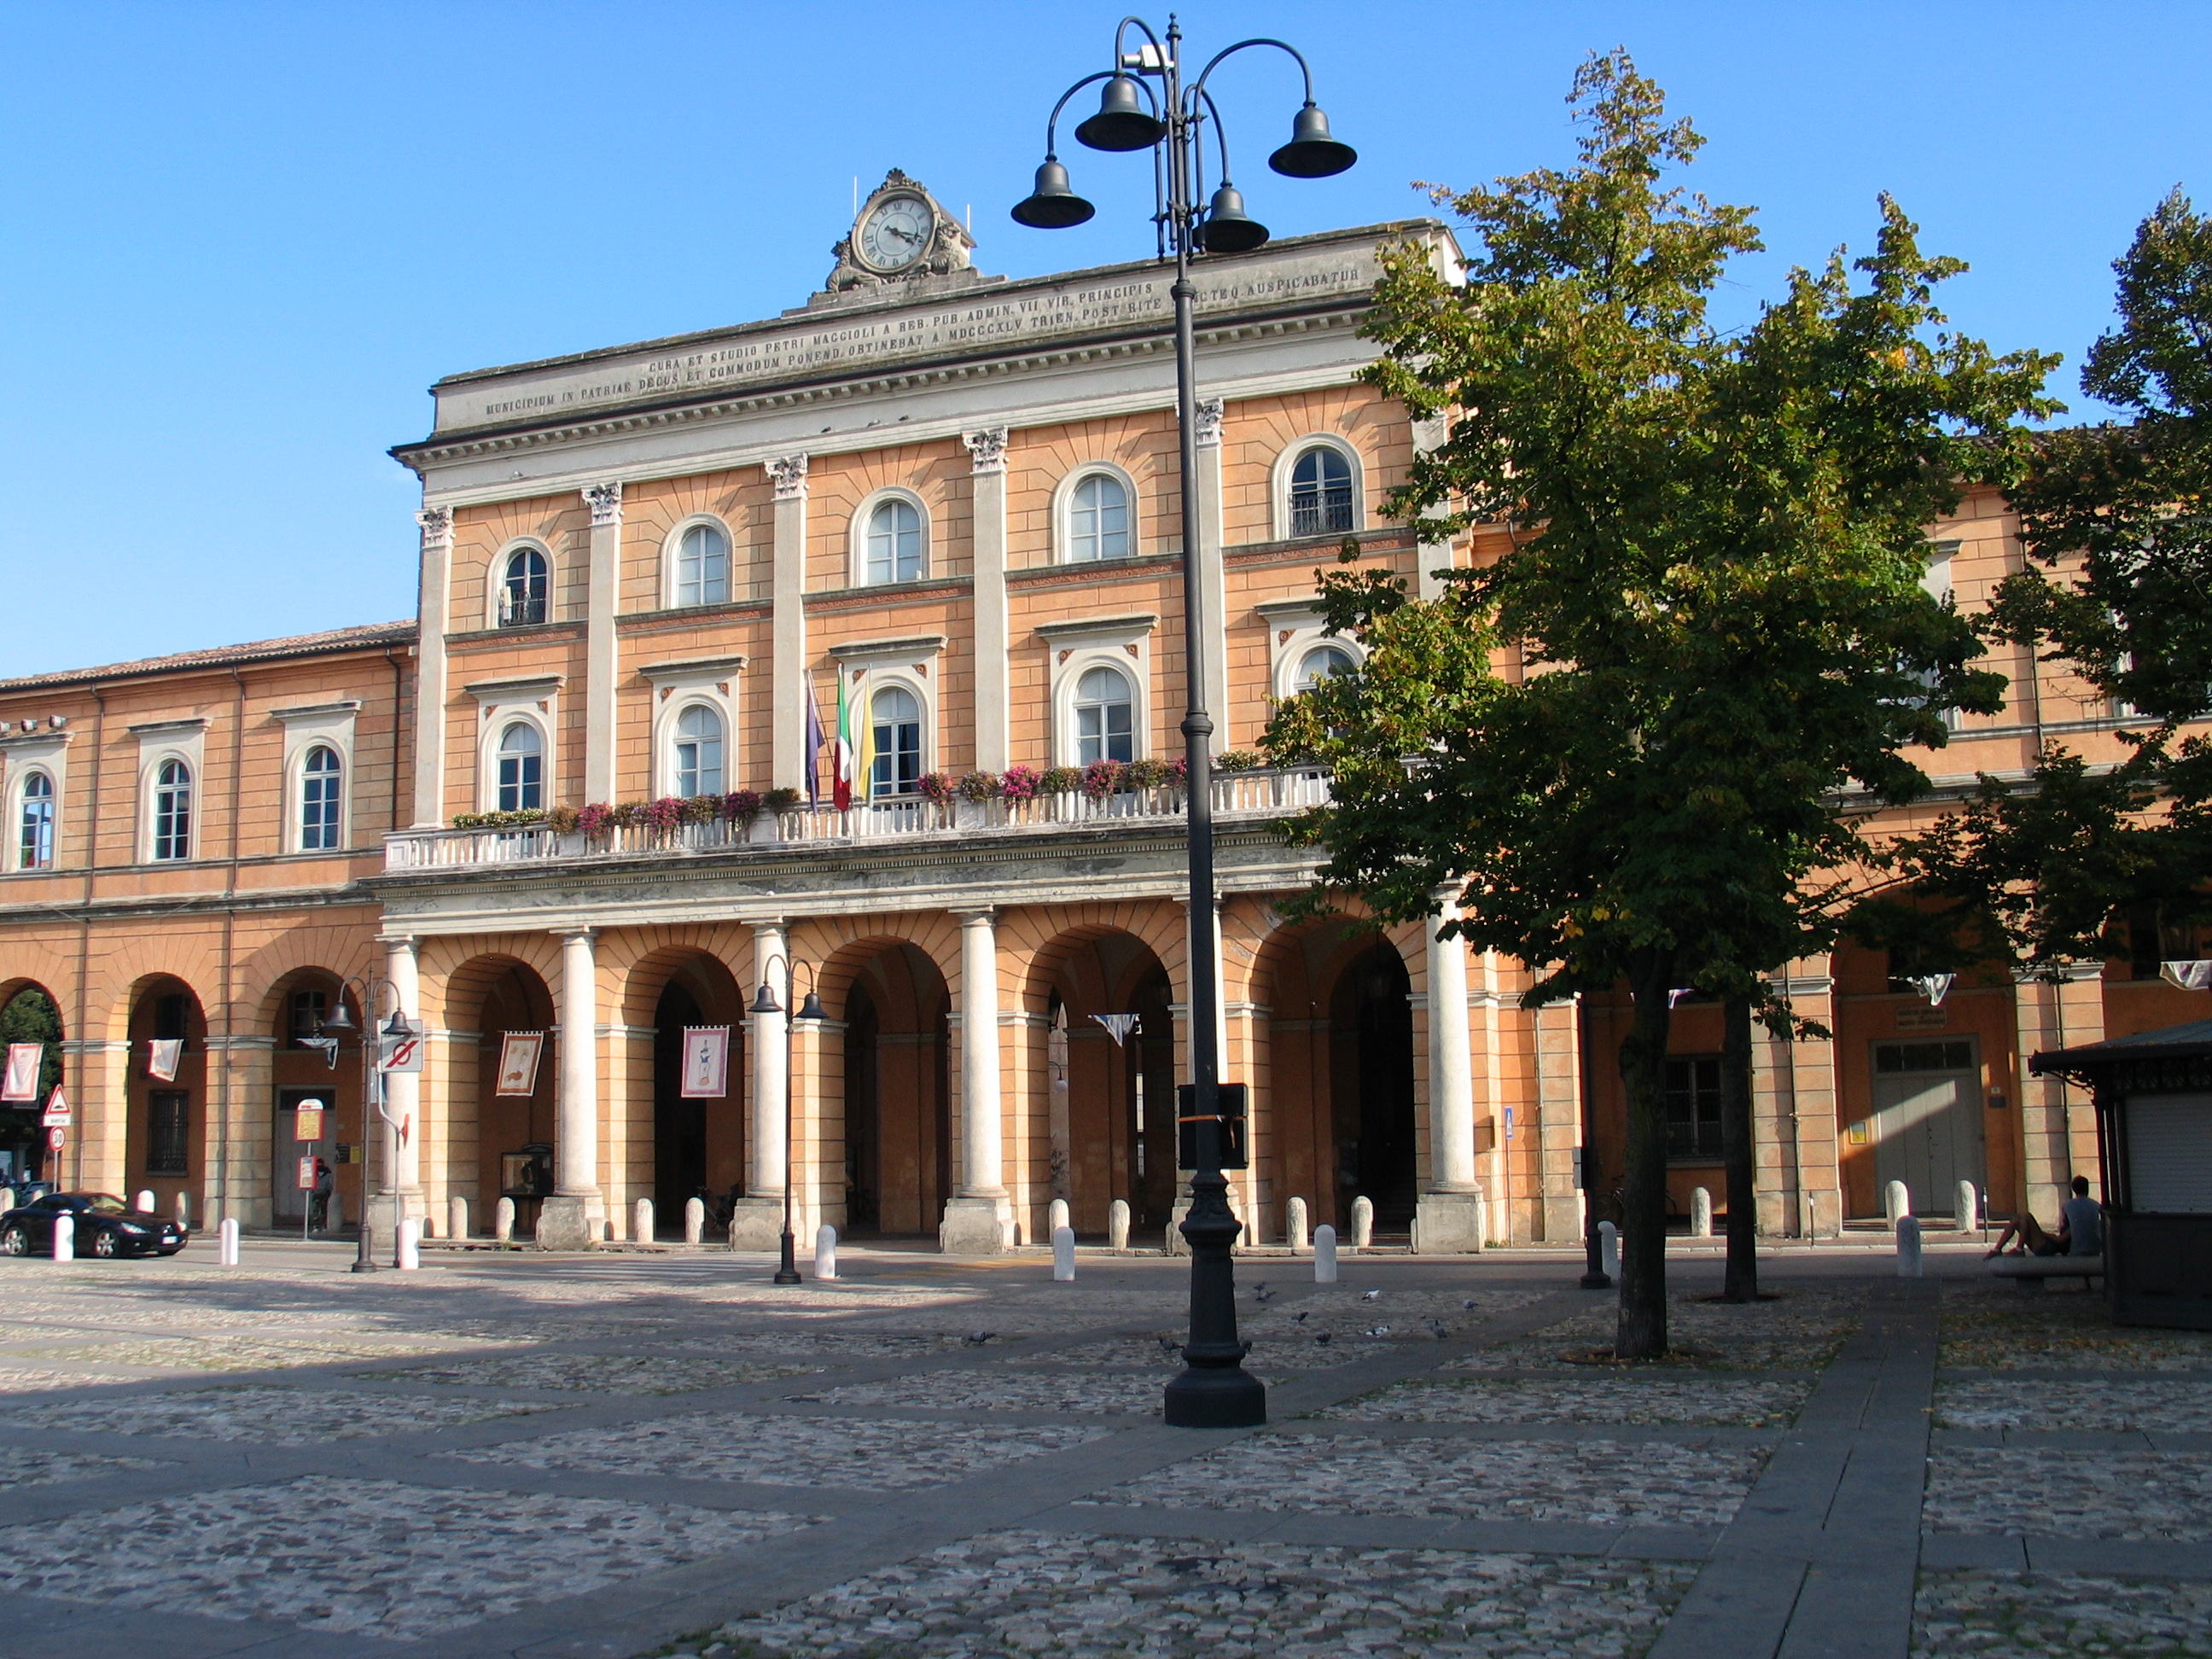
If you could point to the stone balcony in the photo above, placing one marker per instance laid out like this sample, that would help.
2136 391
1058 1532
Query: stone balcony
1237 796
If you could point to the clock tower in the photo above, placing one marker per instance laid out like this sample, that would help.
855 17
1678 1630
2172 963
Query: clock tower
901 236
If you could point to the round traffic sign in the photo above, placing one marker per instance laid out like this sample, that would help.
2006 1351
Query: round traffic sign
55 1137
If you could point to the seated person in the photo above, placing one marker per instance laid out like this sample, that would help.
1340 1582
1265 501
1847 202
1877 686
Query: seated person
2080 1229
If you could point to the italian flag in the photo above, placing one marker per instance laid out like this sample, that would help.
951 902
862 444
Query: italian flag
856 751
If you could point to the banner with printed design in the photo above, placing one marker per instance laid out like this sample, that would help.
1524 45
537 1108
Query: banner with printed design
519 1053
706 1062
24 1059
162 1057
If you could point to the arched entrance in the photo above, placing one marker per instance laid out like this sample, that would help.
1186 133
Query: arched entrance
497 996
1372 1085
698 1139
897 1093
166 1091
29 1013
303 1074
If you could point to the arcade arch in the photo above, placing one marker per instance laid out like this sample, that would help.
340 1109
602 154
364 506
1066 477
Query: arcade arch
487 999
892 1050
166 1118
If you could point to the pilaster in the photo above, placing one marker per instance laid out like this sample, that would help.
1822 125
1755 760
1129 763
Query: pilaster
600 648
788 654
1796 1172
2058 1125
1429 437
987 477
1212 587
1558 1119
430 675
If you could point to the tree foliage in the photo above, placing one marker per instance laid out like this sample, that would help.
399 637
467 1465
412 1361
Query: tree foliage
1628 731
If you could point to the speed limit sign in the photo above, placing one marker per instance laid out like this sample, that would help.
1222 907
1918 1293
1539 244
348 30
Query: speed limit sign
56 1137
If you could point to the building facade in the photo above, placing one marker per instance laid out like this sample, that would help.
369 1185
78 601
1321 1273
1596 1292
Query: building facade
937 512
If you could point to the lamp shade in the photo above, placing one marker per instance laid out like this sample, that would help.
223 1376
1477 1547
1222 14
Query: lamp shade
812 1008
1226 228
765 1003
1312 152
338 1019
1122 121
1052 205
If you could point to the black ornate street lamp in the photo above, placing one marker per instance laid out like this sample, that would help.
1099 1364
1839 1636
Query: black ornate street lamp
369 988
1213 1390
787 1271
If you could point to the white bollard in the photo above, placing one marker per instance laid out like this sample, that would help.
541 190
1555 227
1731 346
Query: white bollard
503 1222
1324 1255
694 1220
640 1221
1908 1247
1117 1224
457 1217
1701 1213
410 1245
226 1242
1363 1223
825 1251
1063 1253
1056 1217
185 1211
1608 1248
1969 1207
1896 1202
65 1238
1294 1225
143 1200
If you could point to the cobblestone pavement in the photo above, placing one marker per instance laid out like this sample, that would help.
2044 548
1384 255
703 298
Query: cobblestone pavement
625 1455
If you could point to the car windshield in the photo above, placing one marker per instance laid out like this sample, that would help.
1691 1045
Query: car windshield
106 1203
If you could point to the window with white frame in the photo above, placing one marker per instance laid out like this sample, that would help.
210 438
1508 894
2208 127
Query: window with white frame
698 751
322 776
703 566
1323 662
524 589
1321 493
895 719
34 841
521 762
1105 717
893 542
172 811
1098 519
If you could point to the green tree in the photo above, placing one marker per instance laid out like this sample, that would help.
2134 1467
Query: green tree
1627 731
30 1017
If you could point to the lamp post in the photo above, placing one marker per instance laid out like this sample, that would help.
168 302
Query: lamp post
369 988
787 1271
1213 1390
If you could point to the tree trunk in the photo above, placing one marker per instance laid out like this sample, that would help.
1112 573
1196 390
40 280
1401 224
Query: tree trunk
1742 1283
1642 1333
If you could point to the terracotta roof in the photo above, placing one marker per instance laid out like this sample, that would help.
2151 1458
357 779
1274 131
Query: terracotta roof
226 656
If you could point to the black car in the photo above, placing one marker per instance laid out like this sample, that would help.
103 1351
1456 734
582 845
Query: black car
106 1226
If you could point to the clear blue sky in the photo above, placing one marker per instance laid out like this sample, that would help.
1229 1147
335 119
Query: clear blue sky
242 239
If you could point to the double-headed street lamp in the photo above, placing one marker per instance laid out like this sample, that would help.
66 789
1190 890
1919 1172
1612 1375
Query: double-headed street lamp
1213 1390
787 1271
370 988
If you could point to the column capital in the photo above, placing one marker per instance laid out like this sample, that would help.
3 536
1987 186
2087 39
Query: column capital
1207 434
571 935
401 941
789 473
2052 972
971 916
437 524
605 502
987 449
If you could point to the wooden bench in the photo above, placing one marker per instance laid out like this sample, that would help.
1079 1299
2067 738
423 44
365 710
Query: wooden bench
2032 1270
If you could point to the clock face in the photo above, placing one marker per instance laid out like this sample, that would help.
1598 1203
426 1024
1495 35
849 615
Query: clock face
895 232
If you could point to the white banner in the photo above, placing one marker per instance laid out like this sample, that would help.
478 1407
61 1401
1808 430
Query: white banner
517 1062
163 1055
24 1059
706 1062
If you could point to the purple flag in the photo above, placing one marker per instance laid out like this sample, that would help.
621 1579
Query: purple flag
813 745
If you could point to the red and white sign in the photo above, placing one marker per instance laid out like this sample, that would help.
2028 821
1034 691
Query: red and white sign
310 1124
22 1078
56 1137
58 1109
306 1178
398 1055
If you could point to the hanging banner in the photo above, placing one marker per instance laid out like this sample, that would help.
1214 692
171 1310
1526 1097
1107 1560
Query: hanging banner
706 1062
163 1055
24 1059
517 1062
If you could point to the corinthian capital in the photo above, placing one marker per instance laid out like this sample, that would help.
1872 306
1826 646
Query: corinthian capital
789 472
605 502
1209 423
987 449
437 524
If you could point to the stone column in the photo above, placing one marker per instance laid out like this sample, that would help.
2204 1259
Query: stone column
987 477
402 1090
1448 1216
2057 1126
976 1218
571 1218
433 618
1796 1174
759 1221
599 644
787 652
1211 584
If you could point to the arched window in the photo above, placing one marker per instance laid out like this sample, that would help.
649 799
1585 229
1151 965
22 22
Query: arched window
1104 717
172 811
521 768
895 714
34 849
522 592
1098 519
702 567
894 543
1321 493
1323 662
320 778
698 751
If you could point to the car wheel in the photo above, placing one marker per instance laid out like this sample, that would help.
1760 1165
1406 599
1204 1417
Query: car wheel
14 1240
104 1246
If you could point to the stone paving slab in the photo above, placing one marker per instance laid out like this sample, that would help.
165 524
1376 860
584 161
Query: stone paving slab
288 1416
2086 1494
373 1559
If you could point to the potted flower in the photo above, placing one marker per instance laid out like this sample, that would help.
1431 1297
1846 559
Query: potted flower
594 821
1019 787
1236 760
561 820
